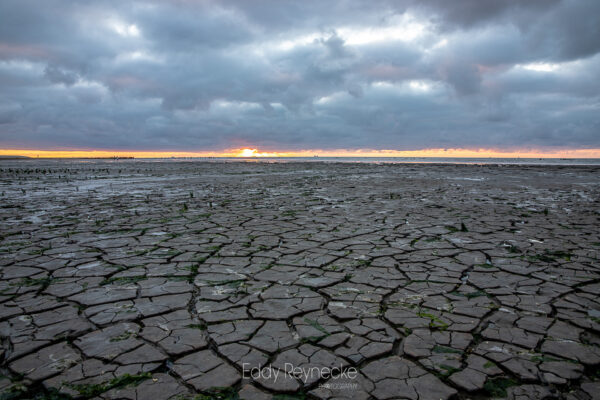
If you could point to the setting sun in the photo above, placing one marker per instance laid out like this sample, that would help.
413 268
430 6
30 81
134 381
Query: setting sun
256 153
248 153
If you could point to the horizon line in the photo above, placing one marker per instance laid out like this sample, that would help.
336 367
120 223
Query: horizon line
251 152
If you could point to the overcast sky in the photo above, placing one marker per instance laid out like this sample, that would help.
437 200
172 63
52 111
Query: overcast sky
209 75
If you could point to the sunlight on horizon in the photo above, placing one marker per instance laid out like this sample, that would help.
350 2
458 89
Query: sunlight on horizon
248 152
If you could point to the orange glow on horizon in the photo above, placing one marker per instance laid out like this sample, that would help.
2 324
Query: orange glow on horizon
255 153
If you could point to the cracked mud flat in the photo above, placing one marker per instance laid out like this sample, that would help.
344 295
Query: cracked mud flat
160 280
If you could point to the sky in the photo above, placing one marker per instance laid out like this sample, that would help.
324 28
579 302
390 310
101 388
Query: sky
277 75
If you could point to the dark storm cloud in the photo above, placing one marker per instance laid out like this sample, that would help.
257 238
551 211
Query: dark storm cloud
470 13
200 75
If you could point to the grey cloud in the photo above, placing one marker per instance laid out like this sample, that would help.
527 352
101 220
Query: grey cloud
473 13
187 29
570 32
57 75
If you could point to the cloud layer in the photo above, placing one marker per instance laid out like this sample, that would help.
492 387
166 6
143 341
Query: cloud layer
207 75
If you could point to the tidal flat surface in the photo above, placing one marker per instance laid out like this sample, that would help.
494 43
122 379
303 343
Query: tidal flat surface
162 280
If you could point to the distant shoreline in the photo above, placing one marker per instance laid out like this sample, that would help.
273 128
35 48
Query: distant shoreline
2 157
531 161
